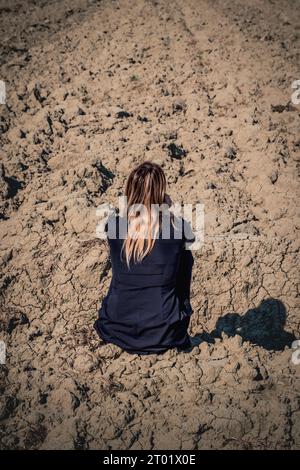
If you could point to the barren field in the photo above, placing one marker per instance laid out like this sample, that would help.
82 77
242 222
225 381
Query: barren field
203 88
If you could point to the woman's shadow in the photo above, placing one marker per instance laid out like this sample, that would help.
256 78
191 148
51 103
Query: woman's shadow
263 326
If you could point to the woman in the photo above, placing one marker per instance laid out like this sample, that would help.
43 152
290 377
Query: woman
147 309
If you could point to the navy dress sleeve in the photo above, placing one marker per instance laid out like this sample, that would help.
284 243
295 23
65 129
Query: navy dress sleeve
184 273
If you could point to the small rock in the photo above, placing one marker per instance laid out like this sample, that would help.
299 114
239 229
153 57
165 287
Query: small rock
179 106
274 177
279 108
230 153
123 114
176 152
142 118
211 186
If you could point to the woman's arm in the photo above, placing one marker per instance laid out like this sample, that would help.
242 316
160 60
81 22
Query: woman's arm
183 279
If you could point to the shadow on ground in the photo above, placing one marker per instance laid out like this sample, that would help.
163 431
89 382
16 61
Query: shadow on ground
262 326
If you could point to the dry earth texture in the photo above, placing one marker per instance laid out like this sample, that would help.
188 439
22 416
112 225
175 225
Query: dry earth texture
204 88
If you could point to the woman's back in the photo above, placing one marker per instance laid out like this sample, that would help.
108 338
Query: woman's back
147 308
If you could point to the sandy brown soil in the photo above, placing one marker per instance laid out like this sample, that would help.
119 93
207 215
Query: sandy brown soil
214 78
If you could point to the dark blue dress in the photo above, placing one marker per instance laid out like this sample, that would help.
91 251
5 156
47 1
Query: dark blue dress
147 309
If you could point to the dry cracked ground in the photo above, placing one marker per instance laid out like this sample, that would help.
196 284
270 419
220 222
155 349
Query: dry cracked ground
203 88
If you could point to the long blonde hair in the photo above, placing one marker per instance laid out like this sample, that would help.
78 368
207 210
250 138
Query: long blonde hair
145 185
